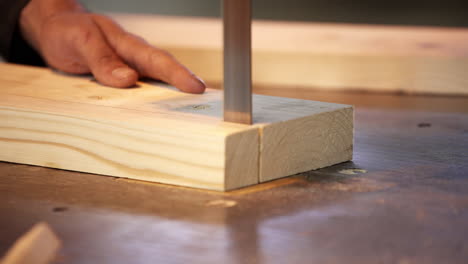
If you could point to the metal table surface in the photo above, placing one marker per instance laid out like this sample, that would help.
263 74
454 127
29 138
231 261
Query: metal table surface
403 199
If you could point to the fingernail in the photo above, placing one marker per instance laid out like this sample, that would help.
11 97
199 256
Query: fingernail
122 73
200 85
201 80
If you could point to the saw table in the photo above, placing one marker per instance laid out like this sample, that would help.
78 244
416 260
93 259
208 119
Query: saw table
403 199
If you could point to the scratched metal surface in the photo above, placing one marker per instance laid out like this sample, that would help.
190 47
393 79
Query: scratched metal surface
403 199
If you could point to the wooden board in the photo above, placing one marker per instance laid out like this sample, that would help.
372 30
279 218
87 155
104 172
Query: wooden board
156 133
321 56
38 246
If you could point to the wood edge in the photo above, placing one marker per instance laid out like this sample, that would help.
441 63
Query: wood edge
239 172
347 109
137 174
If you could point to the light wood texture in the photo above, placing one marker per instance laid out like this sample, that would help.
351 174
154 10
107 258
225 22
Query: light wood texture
156 133
38 246
324 56
297 145
147 133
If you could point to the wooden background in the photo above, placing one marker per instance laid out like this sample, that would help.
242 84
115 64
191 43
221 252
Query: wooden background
434 13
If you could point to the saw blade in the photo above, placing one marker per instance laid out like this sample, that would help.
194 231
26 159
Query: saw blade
237 20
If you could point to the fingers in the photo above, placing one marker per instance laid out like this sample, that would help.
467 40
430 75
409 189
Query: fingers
148 60
159 64
102 60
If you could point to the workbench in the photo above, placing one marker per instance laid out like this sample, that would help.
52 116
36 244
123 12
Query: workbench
403 199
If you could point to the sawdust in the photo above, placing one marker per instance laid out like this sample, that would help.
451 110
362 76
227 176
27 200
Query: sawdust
352 171
221 203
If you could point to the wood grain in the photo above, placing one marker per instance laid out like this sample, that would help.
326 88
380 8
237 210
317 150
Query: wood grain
306 143
155 133
321 56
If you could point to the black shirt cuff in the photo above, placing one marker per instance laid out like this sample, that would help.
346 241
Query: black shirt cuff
13 47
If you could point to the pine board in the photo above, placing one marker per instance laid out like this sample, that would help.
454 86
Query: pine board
155 133
38 246
390 59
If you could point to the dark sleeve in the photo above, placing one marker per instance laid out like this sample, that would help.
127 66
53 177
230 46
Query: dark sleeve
13 47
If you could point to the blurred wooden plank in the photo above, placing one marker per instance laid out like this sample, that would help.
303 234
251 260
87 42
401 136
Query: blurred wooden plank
38 246
323 56
156 133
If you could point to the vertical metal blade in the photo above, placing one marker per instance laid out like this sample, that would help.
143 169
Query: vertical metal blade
237 18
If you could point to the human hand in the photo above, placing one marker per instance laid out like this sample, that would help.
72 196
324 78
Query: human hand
75 41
